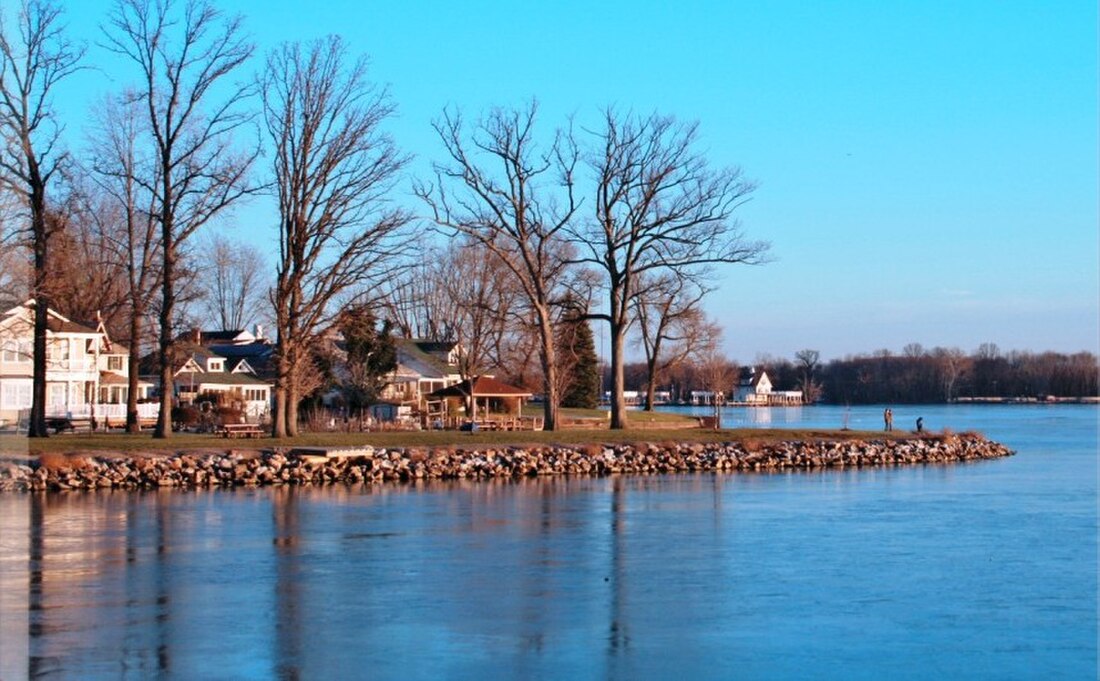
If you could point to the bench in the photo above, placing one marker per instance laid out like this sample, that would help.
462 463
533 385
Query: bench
242 430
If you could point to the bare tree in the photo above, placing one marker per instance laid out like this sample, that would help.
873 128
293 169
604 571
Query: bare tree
953 364
333 168
481 294
35 56
659 208
494 189
198 174
231 286
808 360
16 274
128 222
86 280
718 375
672 325
416 300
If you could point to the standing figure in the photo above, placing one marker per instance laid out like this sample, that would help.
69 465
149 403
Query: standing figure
888 418
920 424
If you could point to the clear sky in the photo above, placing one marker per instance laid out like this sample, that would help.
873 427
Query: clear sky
927 170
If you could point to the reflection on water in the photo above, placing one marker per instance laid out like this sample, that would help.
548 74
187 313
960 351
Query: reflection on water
986 569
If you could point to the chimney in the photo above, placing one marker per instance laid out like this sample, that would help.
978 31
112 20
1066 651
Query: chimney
259 332
196 336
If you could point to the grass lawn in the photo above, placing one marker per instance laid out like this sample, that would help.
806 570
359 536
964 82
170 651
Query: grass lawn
124 443
633 416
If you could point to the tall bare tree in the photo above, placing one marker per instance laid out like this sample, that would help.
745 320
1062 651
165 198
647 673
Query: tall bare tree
808 361
128 223
501 191
672 325
481 293
35 56
232 285
87 281
184 56
659 207
717 375
418 302
333 169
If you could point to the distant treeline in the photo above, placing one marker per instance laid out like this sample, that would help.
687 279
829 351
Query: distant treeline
945 376
918 376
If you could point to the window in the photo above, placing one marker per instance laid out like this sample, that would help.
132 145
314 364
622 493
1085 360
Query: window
216 365
55 395
10 352
57 350
114 364
16 396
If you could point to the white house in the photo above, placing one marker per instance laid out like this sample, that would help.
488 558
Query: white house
87 375
422 367
755 388
201 374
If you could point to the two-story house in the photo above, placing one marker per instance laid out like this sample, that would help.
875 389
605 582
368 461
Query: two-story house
87 375
201 374
755 388
422 367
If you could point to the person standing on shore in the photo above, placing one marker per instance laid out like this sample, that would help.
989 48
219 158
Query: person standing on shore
920 424
888 418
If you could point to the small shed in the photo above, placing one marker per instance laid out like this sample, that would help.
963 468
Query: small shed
484 394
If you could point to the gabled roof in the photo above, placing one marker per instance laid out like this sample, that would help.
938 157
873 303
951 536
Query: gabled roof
221 378
56 325
55 321
219 337
483 386
182 354
750 377
259 354
424 358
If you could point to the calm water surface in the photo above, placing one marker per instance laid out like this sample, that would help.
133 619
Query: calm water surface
984 570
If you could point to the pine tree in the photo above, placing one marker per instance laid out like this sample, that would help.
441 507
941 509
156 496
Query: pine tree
371 356
579 348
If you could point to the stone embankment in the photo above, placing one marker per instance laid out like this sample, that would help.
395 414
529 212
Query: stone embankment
369 466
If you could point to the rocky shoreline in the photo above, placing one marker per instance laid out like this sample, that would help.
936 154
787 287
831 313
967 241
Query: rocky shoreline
238 468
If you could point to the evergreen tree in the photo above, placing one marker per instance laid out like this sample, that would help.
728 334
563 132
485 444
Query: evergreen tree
579 349
371 356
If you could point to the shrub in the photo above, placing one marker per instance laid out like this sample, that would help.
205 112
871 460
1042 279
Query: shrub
228 414
186 415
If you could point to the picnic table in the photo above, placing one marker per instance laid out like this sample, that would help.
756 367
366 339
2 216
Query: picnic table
242 430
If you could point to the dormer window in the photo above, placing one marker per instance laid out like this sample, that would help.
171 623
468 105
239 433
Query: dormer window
215 365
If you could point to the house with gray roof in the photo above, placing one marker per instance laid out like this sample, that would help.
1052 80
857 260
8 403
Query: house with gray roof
422 367
204 374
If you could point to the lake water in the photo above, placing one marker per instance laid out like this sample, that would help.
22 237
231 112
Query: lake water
983 570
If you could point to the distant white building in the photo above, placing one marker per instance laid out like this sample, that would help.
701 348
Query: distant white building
755 389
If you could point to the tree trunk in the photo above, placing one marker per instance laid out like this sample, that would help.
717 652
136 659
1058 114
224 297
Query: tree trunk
292 409
549 371
37 425
164 350
282 374
651 384
618 400
133 423
278 421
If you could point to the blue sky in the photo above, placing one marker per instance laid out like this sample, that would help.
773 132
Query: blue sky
927 170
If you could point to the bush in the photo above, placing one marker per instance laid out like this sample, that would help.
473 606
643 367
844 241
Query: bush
186 416
226 415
